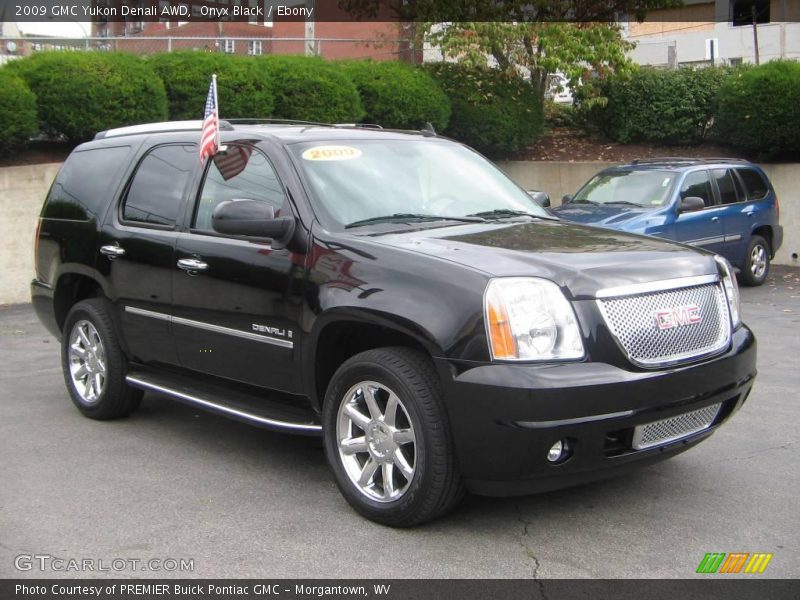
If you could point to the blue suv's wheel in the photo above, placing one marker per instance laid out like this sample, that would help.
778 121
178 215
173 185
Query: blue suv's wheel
756 262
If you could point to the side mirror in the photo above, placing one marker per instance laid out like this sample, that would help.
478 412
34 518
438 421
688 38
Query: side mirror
691 204
252 218
541 198
566 199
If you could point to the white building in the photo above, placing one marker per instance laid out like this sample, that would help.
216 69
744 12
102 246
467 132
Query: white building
705 32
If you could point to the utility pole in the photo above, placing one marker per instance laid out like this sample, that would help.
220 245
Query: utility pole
755 31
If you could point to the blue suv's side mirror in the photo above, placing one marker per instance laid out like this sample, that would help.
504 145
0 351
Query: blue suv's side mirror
691 204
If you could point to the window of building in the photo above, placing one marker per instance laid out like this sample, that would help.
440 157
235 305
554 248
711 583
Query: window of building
744 12
254 47
228 46
156 191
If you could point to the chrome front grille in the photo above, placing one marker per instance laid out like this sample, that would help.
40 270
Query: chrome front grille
674 428
669 326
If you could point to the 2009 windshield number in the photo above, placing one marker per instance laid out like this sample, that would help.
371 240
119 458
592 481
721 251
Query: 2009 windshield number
331 153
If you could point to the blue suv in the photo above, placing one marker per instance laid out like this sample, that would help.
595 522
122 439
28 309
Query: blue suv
726 206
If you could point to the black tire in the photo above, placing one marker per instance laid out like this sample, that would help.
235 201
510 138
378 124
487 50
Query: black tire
435 487
756 262
116 398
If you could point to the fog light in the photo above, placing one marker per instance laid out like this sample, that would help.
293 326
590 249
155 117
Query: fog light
557 451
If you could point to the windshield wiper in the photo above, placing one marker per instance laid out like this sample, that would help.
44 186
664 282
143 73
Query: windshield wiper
413 217
505 213
583 201
625 202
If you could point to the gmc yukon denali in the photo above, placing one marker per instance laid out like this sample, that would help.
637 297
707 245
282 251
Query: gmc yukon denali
392 292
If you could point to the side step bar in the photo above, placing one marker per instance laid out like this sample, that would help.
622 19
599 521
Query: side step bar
267 414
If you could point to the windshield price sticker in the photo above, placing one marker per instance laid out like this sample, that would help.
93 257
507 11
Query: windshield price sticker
331 153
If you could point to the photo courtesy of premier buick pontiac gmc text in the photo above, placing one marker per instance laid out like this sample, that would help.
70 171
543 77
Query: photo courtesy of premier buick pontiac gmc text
392 292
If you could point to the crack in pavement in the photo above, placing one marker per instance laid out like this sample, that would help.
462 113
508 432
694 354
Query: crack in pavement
754 454
529 552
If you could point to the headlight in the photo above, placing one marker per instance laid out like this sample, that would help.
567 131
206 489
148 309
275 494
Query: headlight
530 319
731 289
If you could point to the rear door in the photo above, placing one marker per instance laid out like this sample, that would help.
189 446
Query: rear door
236 315
702 228
138 249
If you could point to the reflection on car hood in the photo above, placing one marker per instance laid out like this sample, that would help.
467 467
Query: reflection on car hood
581 259
604 214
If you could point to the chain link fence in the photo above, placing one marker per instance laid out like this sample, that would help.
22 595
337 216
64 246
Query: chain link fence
329 48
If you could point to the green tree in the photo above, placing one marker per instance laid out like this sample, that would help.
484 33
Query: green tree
532 38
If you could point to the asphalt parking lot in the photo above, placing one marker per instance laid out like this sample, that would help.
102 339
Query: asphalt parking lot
170 482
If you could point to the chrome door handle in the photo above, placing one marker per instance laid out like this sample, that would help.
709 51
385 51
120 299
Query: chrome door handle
112 252
192 265
714 219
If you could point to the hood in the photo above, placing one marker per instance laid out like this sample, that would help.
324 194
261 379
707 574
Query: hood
580 259
604 215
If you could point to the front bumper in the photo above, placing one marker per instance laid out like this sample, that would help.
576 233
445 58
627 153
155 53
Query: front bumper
505 417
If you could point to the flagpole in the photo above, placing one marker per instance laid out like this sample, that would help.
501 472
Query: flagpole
216 103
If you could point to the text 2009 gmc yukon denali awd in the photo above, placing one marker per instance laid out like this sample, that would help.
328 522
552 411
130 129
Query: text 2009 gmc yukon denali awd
391 291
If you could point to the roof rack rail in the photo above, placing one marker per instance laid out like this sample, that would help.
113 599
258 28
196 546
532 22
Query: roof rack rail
267 121
686 159
166 126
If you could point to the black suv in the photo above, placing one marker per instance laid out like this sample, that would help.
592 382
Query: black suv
391 291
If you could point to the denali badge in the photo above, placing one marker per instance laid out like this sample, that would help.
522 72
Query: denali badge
669 318
272 330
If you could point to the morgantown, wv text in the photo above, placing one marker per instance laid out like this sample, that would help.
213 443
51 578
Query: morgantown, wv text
196 590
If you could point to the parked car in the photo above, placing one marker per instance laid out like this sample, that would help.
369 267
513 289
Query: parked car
722 205
392 292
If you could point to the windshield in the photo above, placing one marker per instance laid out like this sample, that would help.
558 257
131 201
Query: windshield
647 189
366 180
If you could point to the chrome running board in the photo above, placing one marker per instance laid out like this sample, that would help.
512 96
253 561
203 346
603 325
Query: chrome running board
266 413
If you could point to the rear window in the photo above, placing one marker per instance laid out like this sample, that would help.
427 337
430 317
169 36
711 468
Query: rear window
82 189
755 185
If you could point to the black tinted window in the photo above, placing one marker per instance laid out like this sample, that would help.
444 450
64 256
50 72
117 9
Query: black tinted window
754 183
157 188
241 173
698 185
82 188
726 185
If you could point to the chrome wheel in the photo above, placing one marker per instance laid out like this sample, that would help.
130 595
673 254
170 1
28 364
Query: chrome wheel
87 361
758 261
376 441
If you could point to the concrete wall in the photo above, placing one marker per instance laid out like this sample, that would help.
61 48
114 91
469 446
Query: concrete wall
22 191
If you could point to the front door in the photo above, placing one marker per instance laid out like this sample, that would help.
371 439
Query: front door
701 228
237 301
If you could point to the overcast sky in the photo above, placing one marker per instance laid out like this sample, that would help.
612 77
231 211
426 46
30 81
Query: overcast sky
56 29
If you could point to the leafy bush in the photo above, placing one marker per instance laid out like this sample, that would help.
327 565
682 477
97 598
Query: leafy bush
759 110
495 113
668 107
558 115
397 95
79 94
17 112
243 84
310 89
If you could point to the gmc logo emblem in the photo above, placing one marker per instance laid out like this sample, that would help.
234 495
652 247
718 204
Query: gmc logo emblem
670 318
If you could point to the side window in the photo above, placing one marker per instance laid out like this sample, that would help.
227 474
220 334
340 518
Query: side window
755 186
240 173
155 194
726 186
698 184
81 190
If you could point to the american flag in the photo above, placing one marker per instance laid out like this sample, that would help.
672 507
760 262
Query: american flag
209 139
